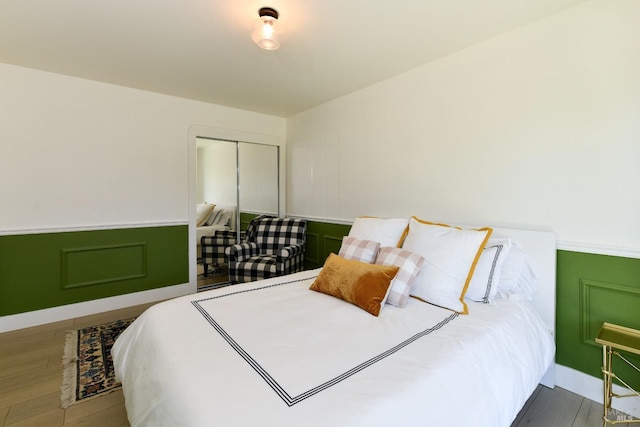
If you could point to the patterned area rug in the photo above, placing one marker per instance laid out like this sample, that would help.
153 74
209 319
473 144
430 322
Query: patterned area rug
88 368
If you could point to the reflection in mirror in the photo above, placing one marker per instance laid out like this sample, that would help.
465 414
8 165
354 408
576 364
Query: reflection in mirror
216 172
216 184
258 178
241 180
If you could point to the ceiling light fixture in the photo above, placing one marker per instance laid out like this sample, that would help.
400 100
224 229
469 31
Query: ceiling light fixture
266 31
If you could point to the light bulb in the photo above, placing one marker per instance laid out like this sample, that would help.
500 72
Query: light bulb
266 32
267 29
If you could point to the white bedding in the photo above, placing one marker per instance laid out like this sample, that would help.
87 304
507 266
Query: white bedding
274 353
208 230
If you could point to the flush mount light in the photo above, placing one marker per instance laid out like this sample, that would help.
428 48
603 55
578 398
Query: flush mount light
266 30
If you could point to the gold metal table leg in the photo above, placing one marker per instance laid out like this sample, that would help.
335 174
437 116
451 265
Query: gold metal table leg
616 338
607 370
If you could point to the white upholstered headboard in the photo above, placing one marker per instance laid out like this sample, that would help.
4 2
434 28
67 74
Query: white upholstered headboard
540 245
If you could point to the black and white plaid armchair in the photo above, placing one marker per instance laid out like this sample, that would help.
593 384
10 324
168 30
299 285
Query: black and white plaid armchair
212 247
276 248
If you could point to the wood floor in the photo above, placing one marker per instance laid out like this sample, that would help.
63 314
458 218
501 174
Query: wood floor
31 373
31 376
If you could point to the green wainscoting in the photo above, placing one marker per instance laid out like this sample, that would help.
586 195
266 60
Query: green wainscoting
592 289
322 239
46 270
245 219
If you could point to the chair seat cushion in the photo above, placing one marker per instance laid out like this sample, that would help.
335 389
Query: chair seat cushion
260 264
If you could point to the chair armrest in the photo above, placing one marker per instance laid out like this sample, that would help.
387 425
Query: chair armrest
290 251
239 252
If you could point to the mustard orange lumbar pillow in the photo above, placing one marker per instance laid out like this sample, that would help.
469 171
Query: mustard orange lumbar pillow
364 285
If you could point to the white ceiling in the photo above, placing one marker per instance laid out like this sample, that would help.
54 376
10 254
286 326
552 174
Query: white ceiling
202 49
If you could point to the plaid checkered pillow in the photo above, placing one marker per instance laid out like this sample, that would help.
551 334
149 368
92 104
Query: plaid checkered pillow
359 250
409 264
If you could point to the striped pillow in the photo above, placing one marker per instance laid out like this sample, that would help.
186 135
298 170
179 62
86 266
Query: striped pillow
486 277
359 250
409 264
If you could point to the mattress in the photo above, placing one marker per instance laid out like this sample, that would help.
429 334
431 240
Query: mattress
274 353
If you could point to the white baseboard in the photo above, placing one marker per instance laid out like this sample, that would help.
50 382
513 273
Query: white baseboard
56 314
593 388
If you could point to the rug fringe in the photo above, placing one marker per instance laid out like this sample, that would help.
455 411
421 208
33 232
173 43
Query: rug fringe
69 359
74 365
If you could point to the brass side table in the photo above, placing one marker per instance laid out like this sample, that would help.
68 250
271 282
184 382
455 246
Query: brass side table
613 338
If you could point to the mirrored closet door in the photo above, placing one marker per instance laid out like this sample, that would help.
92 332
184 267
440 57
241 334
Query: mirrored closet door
258 178
239 176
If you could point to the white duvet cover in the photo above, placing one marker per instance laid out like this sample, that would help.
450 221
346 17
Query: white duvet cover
274 353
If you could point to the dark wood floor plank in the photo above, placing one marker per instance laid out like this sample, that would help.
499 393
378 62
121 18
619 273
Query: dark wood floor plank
552 408
589 415
527 405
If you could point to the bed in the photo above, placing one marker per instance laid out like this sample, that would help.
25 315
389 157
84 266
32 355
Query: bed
274 353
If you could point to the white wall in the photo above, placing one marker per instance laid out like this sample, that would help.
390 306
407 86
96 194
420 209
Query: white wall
217 172
539 126
258 178
77 153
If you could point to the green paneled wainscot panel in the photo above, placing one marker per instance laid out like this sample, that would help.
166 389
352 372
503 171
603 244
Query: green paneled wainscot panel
323 238
245 219
53 269
592 289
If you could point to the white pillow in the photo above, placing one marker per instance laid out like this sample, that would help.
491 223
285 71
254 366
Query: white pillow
359 250
518 280
203 211
387 232
409 264
486 277
450 257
